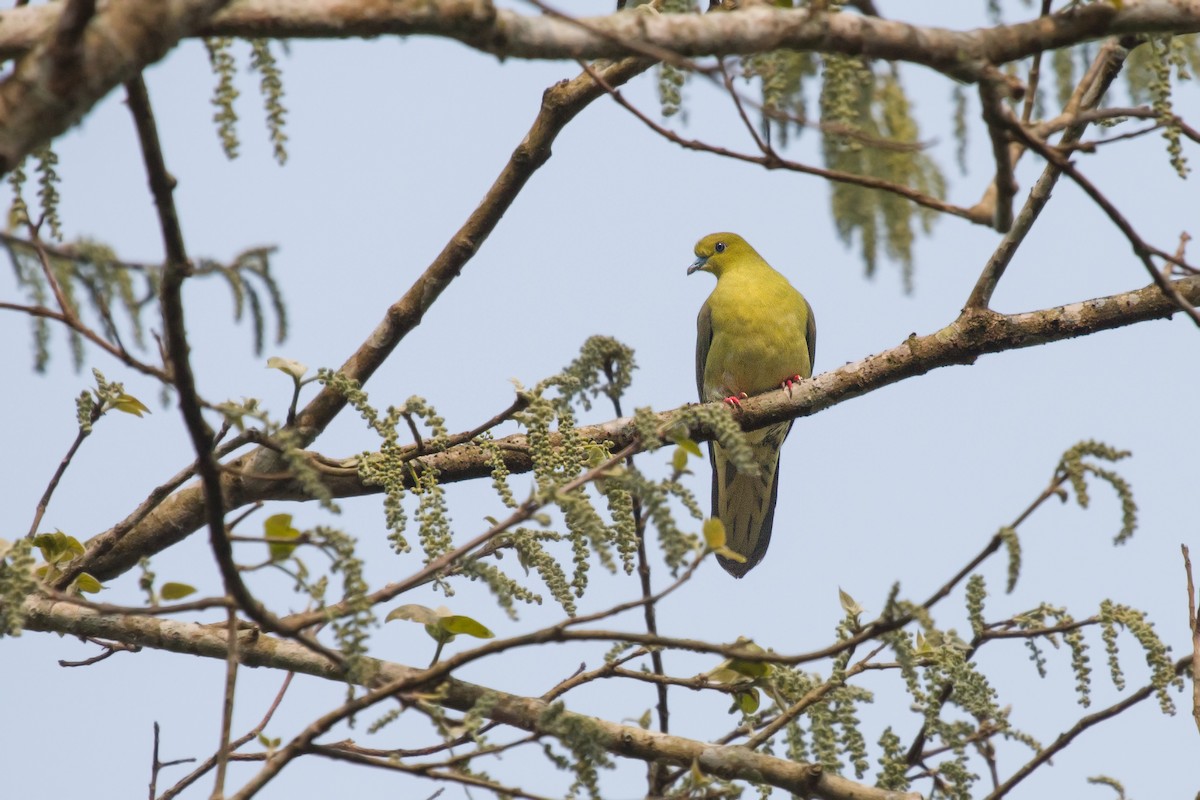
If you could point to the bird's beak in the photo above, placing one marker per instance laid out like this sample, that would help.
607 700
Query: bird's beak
698 264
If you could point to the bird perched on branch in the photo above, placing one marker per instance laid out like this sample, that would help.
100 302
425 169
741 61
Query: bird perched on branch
755 333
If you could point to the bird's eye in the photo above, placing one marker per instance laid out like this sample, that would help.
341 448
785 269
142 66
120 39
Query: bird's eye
720 247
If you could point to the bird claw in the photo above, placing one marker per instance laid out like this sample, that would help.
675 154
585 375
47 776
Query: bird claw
735 401
789 382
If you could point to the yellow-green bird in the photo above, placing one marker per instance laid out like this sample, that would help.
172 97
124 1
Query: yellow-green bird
755 333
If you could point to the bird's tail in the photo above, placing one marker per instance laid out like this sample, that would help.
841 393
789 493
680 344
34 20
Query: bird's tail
744 501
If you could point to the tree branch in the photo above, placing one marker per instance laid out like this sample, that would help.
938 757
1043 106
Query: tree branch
258 650
975 333
68 69
754 29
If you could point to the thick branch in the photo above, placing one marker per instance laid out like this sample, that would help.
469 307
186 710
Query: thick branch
70 68
975 333
259 650
560 104
756 29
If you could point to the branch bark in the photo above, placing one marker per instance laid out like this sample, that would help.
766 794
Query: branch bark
975 333
74 59
259 650
755 29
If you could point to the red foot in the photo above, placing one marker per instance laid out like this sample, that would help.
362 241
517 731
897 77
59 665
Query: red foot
735 401
789 382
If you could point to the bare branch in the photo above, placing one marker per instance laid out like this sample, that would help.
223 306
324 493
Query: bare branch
68 70
1066 737
1194 625
755 29
525 713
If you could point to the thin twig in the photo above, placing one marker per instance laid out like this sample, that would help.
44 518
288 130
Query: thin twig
44 502
1066 737
224 746
211 762
1141 249
175 270
1104 69
773 161
1194 626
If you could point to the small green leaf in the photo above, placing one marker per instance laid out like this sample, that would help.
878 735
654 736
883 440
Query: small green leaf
176 591
751 669
413 613
849 604
130 405
679 459
288 366
738 670
58 547
714 533
725 552
439 634
644 720
86 583
689 446
747 701
278 529
457 623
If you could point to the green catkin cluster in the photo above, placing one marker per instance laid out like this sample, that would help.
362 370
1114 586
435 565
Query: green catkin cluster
220 58
1157 653
262 60
532 555
500 473
48 195
351 630
893 763
1012 544
17 582
781 74
506 590
1075 469
583 739
868 129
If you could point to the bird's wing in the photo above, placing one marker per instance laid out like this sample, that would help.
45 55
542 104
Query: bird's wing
810 337
704 335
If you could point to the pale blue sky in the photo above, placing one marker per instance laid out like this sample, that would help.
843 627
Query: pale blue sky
392 143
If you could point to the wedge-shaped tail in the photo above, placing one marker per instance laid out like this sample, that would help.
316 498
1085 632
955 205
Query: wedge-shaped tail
744 501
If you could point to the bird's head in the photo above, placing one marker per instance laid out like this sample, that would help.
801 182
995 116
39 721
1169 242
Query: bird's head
718 252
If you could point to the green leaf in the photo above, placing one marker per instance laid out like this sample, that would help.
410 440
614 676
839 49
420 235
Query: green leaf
441 625
279 527
689 446
747 701
725 552
714 533
413 613
457 623
849 604
737 670
86 583
679 459
176 591
58 547
287 366
130 405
